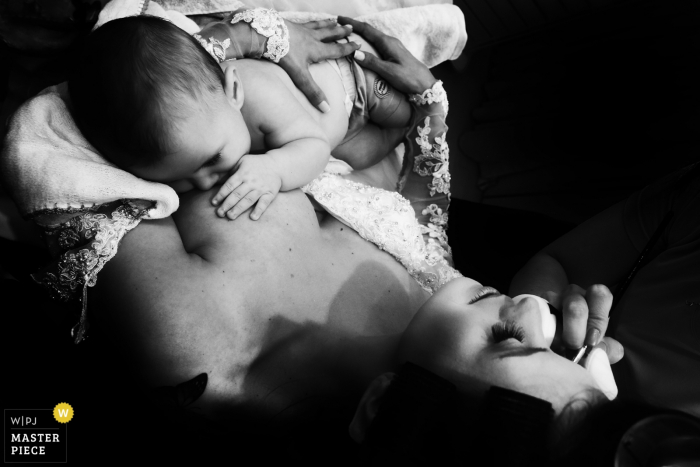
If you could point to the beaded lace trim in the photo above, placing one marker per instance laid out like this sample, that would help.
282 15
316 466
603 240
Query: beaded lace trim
433 160
436 93
215 47
388 220
270 24
57 210
84 244
436 228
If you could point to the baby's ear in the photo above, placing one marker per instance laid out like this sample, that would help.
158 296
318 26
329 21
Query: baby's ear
369 406
232 86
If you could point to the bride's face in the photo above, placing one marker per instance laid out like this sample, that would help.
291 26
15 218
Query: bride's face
476 337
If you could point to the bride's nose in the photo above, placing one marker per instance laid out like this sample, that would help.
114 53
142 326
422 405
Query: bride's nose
548 321
524 305
526 312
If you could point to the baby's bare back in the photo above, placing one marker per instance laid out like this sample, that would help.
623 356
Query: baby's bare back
263 81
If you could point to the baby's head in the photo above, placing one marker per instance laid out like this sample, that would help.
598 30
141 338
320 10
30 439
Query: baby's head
155 103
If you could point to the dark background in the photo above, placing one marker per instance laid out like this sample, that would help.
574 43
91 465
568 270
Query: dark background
558 109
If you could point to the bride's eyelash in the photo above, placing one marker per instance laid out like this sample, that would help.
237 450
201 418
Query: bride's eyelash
504 330
483 292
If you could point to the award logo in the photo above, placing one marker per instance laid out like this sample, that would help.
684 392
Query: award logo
63 413
37 435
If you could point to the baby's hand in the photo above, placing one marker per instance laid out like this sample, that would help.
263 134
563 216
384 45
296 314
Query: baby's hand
254 180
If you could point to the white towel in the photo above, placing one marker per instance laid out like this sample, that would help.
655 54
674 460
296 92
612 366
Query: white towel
47 164
116 9
352 8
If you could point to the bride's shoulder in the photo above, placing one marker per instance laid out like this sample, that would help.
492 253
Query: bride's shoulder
151 242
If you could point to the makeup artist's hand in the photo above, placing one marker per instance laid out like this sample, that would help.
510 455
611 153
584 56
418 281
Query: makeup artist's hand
396 65
309 43
585 319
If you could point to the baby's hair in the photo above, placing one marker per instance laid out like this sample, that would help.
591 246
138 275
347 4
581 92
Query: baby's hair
128 86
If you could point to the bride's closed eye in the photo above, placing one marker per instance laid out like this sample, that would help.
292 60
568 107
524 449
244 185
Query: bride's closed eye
484 292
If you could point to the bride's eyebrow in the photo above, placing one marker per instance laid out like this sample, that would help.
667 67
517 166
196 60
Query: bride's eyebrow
522 352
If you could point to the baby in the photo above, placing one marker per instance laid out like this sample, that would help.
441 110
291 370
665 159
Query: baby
152 100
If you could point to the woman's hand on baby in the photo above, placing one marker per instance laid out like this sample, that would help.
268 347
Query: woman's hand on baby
254 181
396 65
309 43
585 319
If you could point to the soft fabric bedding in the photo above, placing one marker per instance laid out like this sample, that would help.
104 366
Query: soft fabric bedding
335 7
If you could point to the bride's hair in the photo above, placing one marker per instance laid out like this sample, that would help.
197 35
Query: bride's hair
422 420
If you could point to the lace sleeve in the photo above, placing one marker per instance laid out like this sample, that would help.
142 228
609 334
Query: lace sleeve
425 176
81 247
246 33
411 228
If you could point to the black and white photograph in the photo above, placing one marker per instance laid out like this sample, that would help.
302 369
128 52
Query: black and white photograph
350 232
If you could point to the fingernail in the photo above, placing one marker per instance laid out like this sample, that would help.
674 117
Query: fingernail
349 26
220 212
592 336
214 202
359 55
603 345
324 107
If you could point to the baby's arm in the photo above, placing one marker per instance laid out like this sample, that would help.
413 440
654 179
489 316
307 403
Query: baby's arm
300 148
